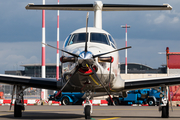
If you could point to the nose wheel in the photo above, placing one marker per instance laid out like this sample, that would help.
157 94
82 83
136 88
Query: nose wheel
87 110
87 106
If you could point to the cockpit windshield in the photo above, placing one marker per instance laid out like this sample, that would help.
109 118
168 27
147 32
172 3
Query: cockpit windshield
99 38
77 38
81 37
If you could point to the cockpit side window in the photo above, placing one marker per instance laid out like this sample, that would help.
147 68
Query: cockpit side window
113 44
99 38
77 38
67 40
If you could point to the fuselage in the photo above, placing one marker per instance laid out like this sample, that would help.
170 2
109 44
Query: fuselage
99 41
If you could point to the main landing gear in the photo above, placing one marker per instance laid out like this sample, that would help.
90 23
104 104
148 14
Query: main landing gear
19 102
87 106
164 103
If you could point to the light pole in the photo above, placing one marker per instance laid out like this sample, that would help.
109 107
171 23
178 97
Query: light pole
125 26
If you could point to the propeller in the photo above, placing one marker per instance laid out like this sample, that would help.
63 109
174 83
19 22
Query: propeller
59 92
75 55
87 17
98 55
102 84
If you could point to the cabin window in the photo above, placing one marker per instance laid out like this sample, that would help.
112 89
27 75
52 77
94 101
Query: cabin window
77 38
99 38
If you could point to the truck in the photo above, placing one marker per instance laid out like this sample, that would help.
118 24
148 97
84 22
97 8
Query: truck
143 96
69 98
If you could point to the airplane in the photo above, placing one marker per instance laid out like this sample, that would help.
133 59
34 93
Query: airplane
90 62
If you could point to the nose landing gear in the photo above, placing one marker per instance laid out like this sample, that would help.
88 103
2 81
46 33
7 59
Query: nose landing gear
87 106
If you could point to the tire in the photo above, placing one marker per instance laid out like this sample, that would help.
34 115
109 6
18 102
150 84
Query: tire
165 111
151 102
116 101
17 110
87 110
65 101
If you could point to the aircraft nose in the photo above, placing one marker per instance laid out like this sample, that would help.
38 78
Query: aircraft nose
85 58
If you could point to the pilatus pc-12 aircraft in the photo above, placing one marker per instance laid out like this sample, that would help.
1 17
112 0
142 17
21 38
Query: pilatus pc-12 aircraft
90 56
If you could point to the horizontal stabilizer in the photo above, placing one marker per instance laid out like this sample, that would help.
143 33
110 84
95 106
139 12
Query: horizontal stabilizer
74 7
105 7
123 7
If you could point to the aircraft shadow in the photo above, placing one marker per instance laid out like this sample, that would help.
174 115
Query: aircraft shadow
44 115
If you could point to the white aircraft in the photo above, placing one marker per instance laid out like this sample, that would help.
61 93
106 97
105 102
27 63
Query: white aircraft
90 62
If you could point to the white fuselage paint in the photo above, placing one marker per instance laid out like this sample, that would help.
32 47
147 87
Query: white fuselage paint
103 68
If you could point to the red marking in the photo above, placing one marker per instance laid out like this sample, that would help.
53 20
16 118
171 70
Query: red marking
87 71
167 50
43 56
25 101
173 61
30 104
6 101
43 18
61 59
112 59
58 21
55 102
58 46
126 61
58 93
57 73
104 102
108 69
111 98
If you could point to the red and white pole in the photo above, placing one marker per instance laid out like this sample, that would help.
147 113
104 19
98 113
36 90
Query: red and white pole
43 41
126 53
126 46
57 61
43 69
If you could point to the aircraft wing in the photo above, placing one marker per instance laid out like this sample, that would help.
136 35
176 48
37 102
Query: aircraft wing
106 7
151 82
44 83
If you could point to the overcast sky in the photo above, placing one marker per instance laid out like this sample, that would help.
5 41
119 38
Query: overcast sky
151 31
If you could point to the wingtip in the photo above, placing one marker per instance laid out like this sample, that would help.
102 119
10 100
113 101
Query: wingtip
27 6
168 6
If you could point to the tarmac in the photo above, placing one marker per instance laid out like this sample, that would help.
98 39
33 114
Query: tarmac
75 112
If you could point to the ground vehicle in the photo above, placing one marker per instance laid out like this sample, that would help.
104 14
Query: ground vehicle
69 98
143 96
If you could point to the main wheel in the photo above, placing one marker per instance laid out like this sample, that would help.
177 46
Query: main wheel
116 101
151 102
17 110
65 101
165 111
87 110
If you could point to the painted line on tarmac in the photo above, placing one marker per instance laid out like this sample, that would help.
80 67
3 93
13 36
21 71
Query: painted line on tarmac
110 118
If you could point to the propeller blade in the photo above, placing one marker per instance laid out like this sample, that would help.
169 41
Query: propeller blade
61 50
87 17
98 55
67 81
12 97
102 84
